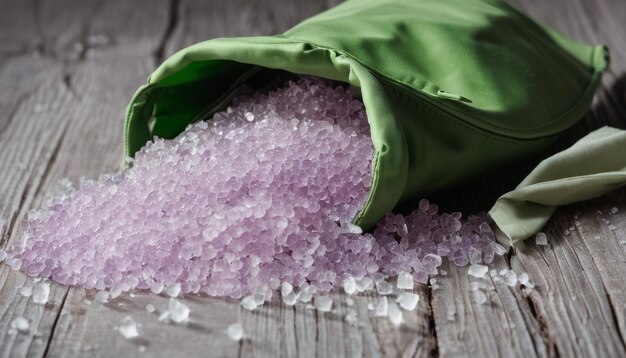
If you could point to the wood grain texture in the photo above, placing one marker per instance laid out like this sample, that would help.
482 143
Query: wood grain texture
504 326
68 69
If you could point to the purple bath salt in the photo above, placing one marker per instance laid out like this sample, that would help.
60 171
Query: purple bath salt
260 195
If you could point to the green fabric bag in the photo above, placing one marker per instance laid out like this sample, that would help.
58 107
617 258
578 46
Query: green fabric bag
452 88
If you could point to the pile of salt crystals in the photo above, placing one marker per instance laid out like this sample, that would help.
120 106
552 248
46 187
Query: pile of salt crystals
257 199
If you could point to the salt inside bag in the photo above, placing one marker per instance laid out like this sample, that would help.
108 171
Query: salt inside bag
452 89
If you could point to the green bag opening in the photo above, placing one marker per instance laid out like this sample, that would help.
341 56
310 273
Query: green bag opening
452 88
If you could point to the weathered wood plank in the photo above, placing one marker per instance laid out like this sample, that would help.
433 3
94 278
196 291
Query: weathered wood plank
503 326
573 301
52 133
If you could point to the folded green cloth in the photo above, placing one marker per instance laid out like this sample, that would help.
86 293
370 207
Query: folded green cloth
590 168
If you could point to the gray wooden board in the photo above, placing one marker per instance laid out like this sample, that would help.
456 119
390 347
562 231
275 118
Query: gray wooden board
67 70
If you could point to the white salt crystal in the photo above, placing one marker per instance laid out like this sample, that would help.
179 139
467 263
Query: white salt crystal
451 313
102 296
477 270
614 210
128 328
26 291
364 284
259 299
249 303
306 295
249 116
164 316
381 307
179 312
352 317
157 288
290 299
41 293
541 239
612 227
349 301
510 278
384 288
370 306
323 303
173 291
479 297
115 293
286 288
3 255
405 281
499 249
523 278
349 285
20 324
475 286
235 331
493 273
150 307
394 313
408 300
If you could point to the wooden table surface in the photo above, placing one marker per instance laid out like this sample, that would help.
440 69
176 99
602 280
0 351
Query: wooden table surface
67 71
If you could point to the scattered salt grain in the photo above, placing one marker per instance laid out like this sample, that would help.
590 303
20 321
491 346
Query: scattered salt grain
614 210
381 307
249 303
150 308
249 116
612 227
477 271
364 284
405 281
384 288
157 288
500 250
173 291
127 327
475 286
479 297
26 291
179 312
352 317
408 300
541 239
235 331
41 293
349 285
510 277
3 255
20 324
394 313
323 303
290 299
286 288
102 296
523 278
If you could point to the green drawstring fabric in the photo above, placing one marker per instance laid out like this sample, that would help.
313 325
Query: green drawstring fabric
593 166
453 89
